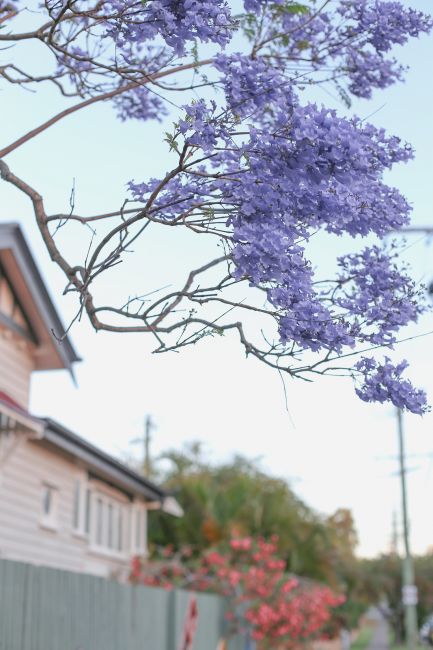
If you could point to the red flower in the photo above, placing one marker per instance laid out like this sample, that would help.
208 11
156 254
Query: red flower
278 610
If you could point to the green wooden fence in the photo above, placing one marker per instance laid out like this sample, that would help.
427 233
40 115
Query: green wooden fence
49 609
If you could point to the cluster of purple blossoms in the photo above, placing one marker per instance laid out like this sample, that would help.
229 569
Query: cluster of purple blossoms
140 103
175 21
318 171
380 293
203 127
369 70
355 37
179 196
253 89
256 6
383 383
258 167
282 171
383 24
75 61
375 28
7 5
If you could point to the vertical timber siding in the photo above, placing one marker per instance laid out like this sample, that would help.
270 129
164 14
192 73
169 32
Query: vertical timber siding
16 366
49 609
22 537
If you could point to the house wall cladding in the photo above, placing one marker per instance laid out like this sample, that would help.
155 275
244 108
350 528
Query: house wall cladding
16 366
49 609
22 537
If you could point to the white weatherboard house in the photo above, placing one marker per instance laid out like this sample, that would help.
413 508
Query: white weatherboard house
63 502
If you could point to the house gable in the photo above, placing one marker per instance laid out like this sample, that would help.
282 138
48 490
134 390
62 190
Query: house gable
12 314
52 513
68 504
27 309
63 502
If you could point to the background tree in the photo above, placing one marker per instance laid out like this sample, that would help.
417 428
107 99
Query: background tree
237 498
251 166
380 581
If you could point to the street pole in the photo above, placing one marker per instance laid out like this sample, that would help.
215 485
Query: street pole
409 593
148 426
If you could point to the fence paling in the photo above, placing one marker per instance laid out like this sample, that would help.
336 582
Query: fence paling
48 609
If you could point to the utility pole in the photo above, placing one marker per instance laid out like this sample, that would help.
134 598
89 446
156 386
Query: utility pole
145 441
148 426
409 591
394 534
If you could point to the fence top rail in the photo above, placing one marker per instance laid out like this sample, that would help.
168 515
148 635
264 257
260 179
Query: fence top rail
44 608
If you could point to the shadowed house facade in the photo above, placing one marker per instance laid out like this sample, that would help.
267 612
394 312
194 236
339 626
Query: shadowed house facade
63 502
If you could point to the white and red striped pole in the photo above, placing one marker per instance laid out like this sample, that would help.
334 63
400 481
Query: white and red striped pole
190 625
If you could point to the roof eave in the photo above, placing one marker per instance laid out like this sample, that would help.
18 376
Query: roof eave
12 238
23 418
100 462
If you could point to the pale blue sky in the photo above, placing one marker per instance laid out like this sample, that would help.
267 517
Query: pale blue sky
329 442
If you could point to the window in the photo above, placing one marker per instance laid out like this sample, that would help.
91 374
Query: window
144 531
49 506
77 509
88 511
120 529
47 500
110 526
129 538
140 530
107 530
99 521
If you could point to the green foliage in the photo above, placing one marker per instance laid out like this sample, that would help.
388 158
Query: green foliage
363 639
291 8
380 580
250 21
238 498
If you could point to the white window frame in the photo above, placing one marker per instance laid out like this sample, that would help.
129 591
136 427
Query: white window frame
87 510
79 525
115 505
49 520
91 491
138 539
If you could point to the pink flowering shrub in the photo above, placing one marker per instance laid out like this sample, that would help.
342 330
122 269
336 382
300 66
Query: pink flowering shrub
278 610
